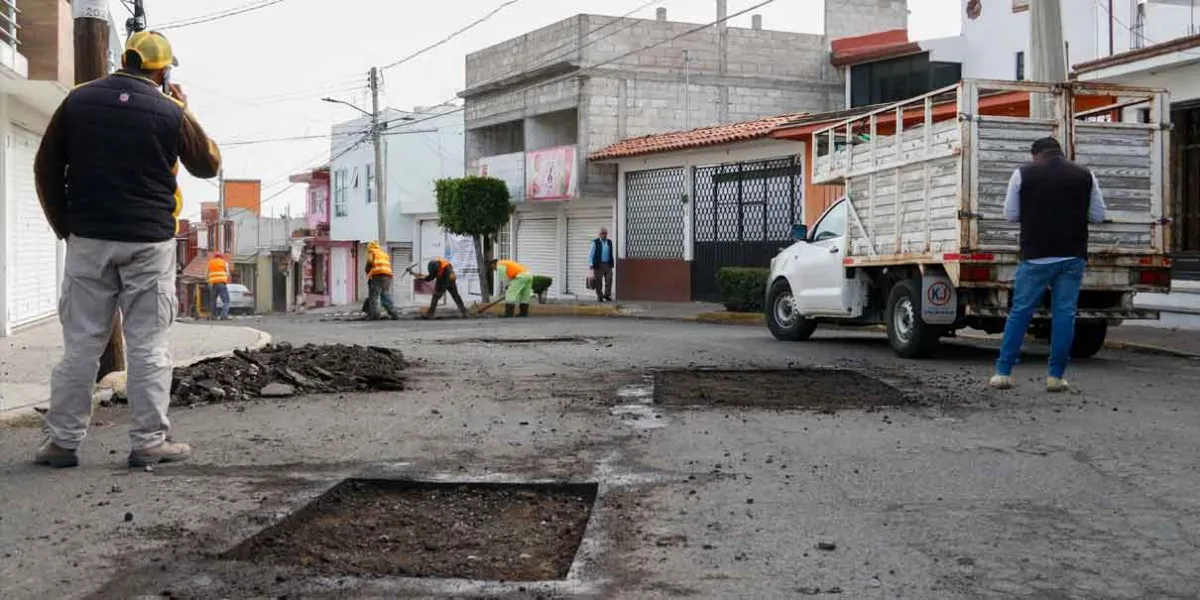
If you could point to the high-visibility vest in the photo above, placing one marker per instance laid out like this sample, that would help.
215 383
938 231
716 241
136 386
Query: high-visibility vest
381 263
442 265
510 268
218 271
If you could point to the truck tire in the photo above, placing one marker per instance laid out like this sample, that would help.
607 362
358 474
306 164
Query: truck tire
785 323
909 336
1089 338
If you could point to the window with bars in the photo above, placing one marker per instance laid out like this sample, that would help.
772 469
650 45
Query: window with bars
503 242
339 193
654 213
370 183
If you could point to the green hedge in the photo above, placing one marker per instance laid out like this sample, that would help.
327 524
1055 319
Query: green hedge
743 289
541 283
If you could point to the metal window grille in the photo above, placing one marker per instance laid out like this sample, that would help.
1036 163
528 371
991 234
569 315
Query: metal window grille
750 202
654 213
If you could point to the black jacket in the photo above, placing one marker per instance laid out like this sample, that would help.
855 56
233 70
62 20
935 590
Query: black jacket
107 165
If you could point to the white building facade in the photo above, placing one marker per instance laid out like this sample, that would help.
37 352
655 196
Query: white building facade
419 147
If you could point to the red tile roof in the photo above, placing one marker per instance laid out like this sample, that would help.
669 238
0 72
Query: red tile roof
1123 58
870 47
696 138
197 270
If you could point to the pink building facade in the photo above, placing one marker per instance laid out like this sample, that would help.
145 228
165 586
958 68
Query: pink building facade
321 253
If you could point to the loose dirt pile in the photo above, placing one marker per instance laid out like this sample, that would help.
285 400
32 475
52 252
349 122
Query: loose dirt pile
280 370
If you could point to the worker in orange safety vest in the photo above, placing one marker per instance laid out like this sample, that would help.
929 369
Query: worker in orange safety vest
218 283
379 283
442 272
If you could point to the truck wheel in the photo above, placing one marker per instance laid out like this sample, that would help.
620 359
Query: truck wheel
1089 338
784 321
909 336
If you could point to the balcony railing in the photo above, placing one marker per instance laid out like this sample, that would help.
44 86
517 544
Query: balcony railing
8 23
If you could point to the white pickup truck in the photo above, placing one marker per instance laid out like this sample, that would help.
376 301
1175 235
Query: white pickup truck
919 241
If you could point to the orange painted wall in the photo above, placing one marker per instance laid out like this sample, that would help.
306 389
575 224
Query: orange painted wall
243 193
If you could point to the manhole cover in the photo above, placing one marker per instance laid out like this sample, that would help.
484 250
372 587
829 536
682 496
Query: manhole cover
821 389
481 531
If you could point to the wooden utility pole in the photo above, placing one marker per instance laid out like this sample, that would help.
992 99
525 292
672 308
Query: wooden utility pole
376 141
91 62
1048 52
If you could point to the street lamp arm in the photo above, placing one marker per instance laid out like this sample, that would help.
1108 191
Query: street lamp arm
336 101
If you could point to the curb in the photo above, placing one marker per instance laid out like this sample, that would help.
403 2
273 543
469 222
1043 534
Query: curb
17 414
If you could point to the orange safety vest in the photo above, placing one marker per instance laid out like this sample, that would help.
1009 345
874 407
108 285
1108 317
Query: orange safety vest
218 271
511 268
381 263
442 265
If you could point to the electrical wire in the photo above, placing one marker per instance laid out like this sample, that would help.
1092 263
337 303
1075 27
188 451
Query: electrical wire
1146 41
294 138
198 20
450 37
583 70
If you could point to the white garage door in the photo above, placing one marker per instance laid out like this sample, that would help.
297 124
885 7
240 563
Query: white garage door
537 247
401 283
34 293
581 230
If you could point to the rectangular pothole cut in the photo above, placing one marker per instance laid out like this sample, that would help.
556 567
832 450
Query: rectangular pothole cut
479 531
816 389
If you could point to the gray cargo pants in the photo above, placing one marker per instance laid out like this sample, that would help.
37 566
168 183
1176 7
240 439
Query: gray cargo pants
101 276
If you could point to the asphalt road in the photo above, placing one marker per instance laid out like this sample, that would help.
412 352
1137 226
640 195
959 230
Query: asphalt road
969 493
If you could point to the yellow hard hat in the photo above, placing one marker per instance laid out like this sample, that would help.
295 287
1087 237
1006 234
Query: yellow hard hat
153 48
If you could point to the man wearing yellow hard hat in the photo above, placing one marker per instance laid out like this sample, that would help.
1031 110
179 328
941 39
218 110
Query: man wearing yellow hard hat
106 177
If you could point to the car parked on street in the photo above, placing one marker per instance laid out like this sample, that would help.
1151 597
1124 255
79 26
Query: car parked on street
241 300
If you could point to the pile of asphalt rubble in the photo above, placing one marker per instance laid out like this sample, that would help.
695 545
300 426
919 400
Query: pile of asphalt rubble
281 370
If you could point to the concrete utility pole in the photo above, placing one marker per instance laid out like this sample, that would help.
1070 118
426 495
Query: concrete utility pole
91 63
220 241
376 140
1048 53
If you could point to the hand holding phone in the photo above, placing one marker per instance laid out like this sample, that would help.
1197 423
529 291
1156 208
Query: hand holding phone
175 91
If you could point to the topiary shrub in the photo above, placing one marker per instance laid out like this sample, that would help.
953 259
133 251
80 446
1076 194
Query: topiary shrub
541 284
743 289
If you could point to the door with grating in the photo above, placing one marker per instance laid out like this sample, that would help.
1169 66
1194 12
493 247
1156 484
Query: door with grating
654 214
744 214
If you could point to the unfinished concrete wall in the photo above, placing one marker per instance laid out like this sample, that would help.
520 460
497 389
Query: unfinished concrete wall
538 48
553 129
845 18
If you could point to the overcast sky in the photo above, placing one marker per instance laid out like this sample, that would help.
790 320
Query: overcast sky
261 74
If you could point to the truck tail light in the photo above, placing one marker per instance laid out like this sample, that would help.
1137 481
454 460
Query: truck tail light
976 273
1154 277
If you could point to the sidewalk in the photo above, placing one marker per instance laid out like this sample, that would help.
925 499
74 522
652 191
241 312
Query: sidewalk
27 357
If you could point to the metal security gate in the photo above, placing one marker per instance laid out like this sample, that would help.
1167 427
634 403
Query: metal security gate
654 214
744 214
1186 196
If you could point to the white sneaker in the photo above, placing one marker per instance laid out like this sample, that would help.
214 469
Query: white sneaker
1000 382
1055 385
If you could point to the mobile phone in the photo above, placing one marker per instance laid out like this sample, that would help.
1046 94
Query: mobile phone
166 86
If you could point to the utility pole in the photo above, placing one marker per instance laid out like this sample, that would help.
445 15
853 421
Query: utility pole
1049 56
91 63
377 141
220 241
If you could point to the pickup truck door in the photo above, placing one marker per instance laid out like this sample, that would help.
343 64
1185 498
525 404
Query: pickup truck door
821 275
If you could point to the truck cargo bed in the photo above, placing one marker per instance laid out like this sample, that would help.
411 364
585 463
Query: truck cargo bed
927 177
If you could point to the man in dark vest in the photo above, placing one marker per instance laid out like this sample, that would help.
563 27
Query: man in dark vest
106 177
442 272
1053 199
602 260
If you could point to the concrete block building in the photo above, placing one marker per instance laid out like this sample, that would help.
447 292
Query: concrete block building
537 105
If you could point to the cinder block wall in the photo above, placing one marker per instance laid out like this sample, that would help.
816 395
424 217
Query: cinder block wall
845 18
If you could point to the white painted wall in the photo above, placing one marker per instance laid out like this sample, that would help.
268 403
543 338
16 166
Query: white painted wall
415 155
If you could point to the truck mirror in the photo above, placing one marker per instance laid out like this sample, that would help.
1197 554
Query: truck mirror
800 232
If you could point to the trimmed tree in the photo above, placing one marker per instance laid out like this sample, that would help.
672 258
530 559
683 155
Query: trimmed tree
478 207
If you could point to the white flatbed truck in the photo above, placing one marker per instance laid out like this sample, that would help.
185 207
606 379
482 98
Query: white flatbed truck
919 241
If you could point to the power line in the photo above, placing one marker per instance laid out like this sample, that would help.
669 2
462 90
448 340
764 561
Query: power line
294 138
450 37
581 71
1132 34
218 15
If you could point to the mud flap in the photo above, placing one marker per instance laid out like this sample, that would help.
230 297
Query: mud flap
939 299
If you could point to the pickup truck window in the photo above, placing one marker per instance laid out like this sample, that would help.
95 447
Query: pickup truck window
832 225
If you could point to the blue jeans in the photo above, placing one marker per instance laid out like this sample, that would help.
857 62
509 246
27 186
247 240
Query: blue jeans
220 291
1064 279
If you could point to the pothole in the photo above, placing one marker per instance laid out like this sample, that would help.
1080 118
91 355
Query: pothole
514 341
817 389
477 531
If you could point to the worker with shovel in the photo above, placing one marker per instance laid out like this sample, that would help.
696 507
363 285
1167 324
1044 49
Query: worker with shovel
441 271
517 282
379 283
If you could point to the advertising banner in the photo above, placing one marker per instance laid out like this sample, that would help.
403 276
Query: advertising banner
550 174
